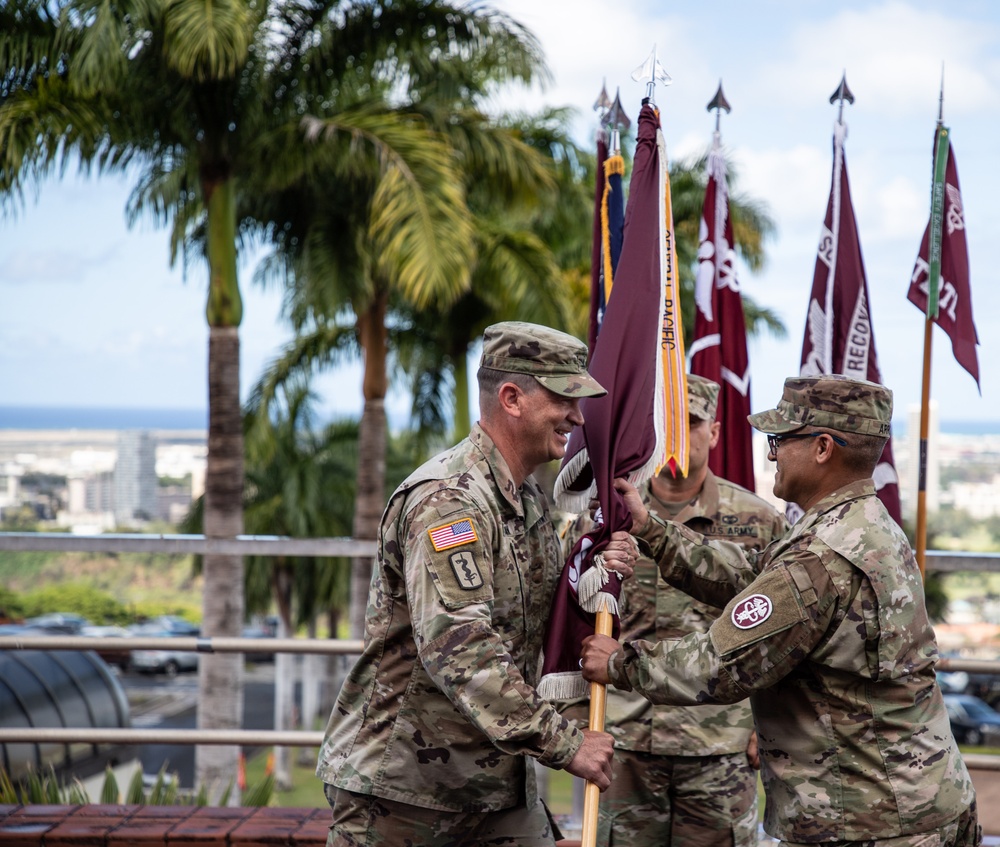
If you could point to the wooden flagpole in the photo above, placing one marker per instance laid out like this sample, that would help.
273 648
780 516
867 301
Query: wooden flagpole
933 282
598 707
925 402
650 71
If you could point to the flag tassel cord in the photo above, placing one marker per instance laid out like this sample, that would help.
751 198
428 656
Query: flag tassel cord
598 709
925 402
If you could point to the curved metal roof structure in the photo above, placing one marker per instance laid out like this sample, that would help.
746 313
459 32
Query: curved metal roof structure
56 689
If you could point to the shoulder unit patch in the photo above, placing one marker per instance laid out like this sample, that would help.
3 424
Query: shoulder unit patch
463 563
752 611
453 534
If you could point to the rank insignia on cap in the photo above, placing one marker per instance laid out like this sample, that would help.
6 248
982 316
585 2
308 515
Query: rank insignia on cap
752 611
452 534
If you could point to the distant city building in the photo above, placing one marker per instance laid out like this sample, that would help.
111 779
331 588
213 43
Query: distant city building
980 499
135 480
88 504
101 492
10 485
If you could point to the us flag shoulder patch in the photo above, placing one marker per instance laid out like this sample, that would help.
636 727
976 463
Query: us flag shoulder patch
452 534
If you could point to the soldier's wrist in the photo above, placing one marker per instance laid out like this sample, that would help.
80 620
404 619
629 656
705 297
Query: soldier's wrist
616 670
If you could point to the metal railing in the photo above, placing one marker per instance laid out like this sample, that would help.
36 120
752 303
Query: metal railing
937 560
944 561
244 545
241 545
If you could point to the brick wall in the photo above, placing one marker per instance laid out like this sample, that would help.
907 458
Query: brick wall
152 826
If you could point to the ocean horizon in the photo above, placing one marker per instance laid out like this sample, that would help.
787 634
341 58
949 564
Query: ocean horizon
110 418
105 418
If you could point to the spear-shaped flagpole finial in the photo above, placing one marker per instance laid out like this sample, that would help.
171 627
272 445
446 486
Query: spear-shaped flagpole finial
603 102
719 102
941 99
842 93
616 120
651 72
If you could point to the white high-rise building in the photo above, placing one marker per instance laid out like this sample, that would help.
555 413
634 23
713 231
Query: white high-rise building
933 466
135 477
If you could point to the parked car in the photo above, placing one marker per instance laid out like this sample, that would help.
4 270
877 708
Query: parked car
64 623
119 658
953 682
257 632
973 722
173 625
163 659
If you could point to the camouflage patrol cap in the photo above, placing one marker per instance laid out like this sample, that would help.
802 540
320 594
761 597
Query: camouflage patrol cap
557 360
829 400
703 397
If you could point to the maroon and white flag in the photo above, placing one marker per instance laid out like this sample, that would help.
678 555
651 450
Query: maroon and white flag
719 349
622 435
954 293
839 338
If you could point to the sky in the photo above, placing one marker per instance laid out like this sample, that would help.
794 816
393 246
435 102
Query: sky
92 315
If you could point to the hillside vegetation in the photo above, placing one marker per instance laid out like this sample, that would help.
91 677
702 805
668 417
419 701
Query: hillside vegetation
105 587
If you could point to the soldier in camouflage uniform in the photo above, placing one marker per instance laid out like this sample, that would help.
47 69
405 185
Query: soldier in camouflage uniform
428 741
831 642
685 775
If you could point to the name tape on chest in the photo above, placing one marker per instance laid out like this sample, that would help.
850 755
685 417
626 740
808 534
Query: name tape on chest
453 534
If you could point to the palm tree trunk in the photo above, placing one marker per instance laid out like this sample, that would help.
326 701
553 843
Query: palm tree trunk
284 671
312 672
333 666
220 676
372 435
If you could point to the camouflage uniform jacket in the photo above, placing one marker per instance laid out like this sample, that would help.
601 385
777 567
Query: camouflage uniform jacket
833 646
440 709
652 610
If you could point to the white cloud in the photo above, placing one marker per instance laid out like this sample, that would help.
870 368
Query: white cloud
892 53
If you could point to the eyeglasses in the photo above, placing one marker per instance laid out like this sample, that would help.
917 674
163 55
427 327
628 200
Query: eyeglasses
774 440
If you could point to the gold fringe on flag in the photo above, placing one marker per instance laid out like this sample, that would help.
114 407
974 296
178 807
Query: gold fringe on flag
674 395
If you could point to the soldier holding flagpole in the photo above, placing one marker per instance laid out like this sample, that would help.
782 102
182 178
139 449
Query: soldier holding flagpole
831 642
640 426
684 776
430 740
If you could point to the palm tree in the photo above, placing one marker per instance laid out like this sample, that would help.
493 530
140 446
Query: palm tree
532 252
352 280
198 96
28 57
299 484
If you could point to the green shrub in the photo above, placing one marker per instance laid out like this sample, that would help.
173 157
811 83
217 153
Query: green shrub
46 788
77 598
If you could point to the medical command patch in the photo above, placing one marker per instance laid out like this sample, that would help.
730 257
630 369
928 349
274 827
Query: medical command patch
752 611
452 534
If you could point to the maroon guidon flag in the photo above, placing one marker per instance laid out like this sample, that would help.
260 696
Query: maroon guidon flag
609 214
951 299
598 298
719 349
620 436
839 338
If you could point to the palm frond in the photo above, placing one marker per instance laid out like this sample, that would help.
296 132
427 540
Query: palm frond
208 39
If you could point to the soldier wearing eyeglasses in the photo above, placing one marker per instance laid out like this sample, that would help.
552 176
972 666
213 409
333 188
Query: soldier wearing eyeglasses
831 642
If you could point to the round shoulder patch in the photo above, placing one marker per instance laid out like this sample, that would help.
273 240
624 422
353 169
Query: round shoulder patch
752 611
